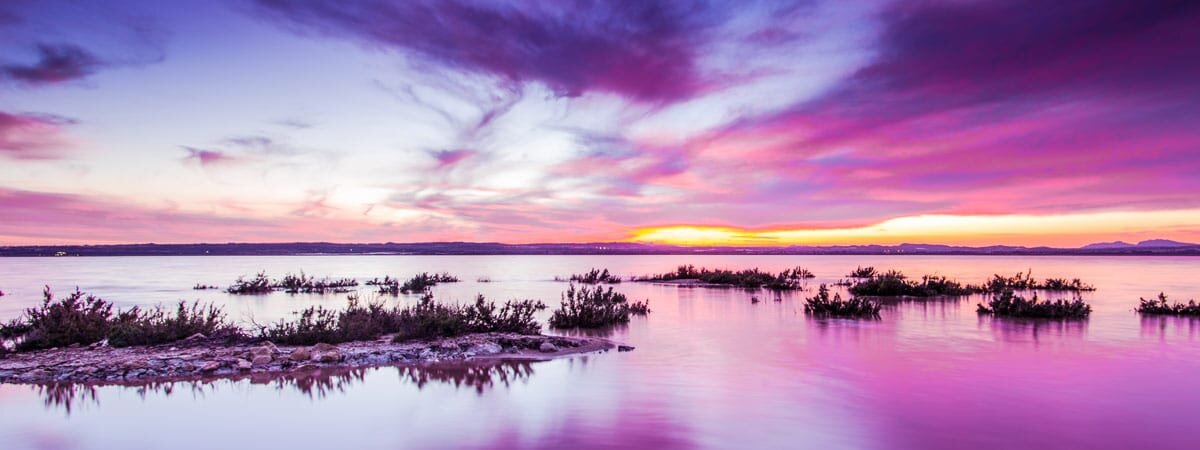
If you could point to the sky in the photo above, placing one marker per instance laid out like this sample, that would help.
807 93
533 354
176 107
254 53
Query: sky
810 122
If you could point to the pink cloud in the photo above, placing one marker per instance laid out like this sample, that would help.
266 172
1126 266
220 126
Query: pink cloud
32 136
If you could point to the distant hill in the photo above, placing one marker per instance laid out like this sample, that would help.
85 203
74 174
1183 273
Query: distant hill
1150 247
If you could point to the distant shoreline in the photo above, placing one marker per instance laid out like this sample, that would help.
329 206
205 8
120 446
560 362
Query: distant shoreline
472 248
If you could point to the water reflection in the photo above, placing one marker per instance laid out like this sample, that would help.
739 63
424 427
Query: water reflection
1166 327
1036 331
481 376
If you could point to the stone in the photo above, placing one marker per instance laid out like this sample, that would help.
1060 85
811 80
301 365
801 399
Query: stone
243 364
210 366
261 360
300 354
196 337
625 348
547 347
486 348
323 347
328 356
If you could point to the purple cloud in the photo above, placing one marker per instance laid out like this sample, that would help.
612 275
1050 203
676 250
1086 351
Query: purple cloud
448 158
645 51
207 157
32 136
55 64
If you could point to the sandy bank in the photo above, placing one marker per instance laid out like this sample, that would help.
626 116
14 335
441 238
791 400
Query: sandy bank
199 357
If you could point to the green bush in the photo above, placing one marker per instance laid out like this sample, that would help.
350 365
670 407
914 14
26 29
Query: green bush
893 283
595 276
751 278
594 307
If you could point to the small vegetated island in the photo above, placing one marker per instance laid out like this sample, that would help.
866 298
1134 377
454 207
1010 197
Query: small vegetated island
1160 306
1008 304
594 276
788 279
290 283
419 283
81 338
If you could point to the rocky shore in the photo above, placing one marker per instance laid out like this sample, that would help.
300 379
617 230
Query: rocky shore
199 357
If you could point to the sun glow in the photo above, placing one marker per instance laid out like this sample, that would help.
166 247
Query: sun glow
1051 230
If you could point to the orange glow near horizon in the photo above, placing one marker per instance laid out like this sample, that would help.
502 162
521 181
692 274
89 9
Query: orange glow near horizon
1063 230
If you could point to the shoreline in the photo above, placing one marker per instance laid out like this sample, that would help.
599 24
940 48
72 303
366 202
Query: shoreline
199 358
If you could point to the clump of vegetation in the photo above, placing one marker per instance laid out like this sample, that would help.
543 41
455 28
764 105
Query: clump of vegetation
260 284
483 280
863 272
81 319
387 285
751 278
1011 305
1160 306
823 305
423 281
425 320
594 276
1026 282
294 284
203 287
894 283
595 307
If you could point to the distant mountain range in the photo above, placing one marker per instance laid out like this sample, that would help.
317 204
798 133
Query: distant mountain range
1150 247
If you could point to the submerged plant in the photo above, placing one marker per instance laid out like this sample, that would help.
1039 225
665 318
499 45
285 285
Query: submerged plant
1024 281
423 281
260 284
1160 306
1009 304
823 305
595 307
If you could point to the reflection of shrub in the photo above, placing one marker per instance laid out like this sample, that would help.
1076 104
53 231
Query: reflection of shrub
1161 306
425 320
1009 304
751 278
85 319
822 305
594 307
893 283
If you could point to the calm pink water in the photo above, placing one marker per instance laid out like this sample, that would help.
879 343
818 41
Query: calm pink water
711 369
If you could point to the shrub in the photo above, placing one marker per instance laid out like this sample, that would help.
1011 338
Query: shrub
1026 282
202 287
893 283
85 319
1009 304
862 272
595 276
294 284
260 284
425 320
752 278
157 326
423 281
1161 306
822 305
594 307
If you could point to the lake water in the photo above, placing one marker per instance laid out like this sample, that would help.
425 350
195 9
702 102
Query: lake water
711 369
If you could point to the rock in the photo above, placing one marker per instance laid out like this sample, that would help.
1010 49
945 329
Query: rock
486 348
624 348
196 337
323 347
243 364
300 354
329 354
210 366
261 360
547 347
